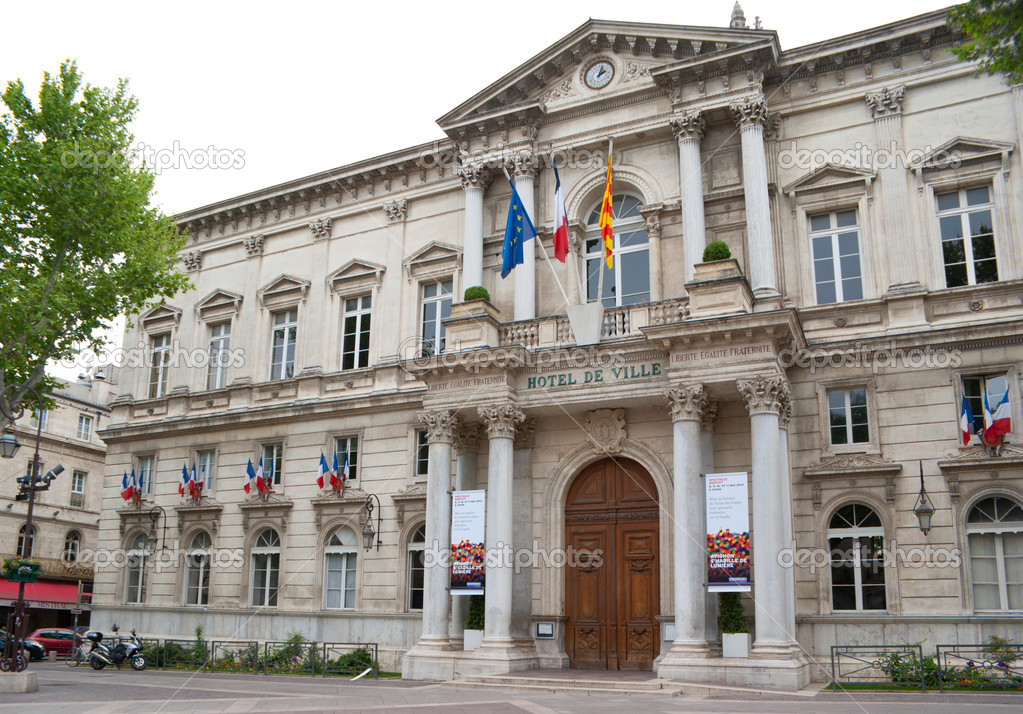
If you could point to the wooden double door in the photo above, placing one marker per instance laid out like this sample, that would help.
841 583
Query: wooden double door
612 588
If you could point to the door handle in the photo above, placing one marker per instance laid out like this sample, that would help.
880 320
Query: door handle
639 632
587 632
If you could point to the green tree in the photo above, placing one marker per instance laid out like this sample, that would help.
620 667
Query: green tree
995 35
79 241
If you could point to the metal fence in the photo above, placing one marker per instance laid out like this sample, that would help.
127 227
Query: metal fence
899 665
997 665
350 658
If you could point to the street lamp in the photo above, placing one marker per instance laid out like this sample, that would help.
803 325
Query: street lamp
923 509
12 660
367 530
154 517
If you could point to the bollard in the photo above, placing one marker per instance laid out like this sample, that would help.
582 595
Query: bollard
52 655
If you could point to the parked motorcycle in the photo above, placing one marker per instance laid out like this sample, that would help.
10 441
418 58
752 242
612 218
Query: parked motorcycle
129 650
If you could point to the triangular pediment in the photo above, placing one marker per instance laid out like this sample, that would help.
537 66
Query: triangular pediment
829 176
283 288
432 259
164 316
963 149
356 274
219 301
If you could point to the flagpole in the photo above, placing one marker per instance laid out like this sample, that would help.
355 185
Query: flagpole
603 248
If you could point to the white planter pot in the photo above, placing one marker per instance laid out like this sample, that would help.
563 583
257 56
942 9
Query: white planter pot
735 645
473 639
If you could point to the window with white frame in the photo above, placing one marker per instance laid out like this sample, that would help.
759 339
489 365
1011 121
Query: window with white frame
273 464
145 474
966 223
347 447
416 568
78 489
856 542
159 365
847 416
355 332
340 555
205 468
266 568
628 280
220 355
84 427
422 453
975 388
43 416
197 570
436 306
72 544
25 549
135 573
837 269
282 350
28 471
994 529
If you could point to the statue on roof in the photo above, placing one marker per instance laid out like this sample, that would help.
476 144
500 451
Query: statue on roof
738 21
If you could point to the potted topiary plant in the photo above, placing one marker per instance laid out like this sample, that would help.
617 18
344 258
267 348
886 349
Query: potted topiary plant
474 619
735 634
476 292
716 250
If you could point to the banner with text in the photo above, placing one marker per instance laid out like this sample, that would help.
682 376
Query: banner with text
467 542
728 556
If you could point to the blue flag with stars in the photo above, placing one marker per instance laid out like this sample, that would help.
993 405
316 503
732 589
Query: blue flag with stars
518 229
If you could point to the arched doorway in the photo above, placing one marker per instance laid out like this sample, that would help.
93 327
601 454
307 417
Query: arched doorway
612 601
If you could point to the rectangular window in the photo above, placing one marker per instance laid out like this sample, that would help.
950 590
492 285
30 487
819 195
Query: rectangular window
42 417
285 336
965 219
84 427
837 272
422 453
205 468
436 307
416 578
974 388
340 589
145 474
347 445
266 568
847 414
355 333
220 355
273 464
78 489
159 370
28 470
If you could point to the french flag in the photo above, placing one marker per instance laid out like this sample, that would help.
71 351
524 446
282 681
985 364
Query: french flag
560 219
193 484
345 473
127 487
260 481
1000 419
965 421
250 476
324 470
335 480
202 480
184 484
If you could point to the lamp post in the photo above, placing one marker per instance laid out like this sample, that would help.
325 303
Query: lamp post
923 509
154 517
367 530
12 660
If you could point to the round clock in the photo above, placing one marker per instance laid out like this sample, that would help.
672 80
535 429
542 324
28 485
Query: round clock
599 74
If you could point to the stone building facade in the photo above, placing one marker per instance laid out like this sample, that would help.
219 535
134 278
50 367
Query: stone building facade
828 359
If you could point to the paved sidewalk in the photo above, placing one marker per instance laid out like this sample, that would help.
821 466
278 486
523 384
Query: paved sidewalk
78 690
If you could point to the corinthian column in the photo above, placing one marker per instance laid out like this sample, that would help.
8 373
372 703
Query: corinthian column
523 168
440 426
689 129
475 180
751 116
689 534
501 421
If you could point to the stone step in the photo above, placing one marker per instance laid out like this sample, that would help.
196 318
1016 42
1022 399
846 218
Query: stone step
555 685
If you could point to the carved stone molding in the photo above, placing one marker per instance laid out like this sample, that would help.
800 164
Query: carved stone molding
976 463
320 228
752 112
350 504
275 508
205 513
686 403
887 102
467 437
559 91
652 218
525 434
254 245
192 260
762 394
785 415
440 425
411 501
396 211
709 416
474 176
690 125
501 419
524 163
852 466
606 428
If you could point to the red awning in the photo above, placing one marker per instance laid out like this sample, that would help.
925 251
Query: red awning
50 594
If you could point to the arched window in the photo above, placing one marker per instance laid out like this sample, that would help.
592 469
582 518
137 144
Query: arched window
23 549
994 530
856 541
628 281
416 568
197 570
135 577
339 566
266 568
72 544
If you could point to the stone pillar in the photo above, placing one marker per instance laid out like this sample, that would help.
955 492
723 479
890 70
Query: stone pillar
652 216
574 262
440 426
772 581
501 421
475 180
522 517
524 167
689 536
689 129
707 421
784 419
466 443
751 116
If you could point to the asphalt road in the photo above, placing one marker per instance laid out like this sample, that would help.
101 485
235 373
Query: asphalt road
74 690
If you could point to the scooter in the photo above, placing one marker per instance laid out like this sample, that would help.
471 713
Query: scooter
100 655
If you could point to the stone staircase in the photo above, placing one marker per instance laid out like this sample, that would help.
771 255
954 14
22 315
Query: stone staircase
579 681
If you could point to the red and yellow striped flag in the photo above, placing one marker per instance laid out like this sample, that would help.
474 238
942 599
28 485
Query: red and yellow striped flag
606 229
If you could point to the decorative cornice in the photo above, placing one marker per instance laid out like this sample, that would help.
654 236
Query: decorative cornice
254 245
752 112
501 420
762 394
440 425
688 126
320 228
978 458
396 211
852 466
474 176
467 437
686 403
887 102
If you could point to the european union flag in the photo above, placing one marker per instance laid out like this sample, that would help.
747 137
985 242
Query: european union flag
518 229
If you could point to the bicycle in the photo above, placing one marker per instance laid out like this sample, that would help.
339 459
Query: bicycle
77 656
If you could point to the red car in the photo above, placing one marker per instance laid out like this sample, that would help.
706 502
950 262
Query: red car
55 639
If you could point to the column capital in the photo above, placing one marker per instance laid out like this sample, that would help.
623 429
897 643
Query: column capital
474 176
501 419
466 437
763 394
440 425
709 416
523 164
887 102
396 211
690 125
785 414
525 433
686 403
752 112
652 216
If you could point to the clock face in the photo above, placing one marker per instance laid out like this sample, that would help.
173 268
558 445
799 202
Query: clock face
599 74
